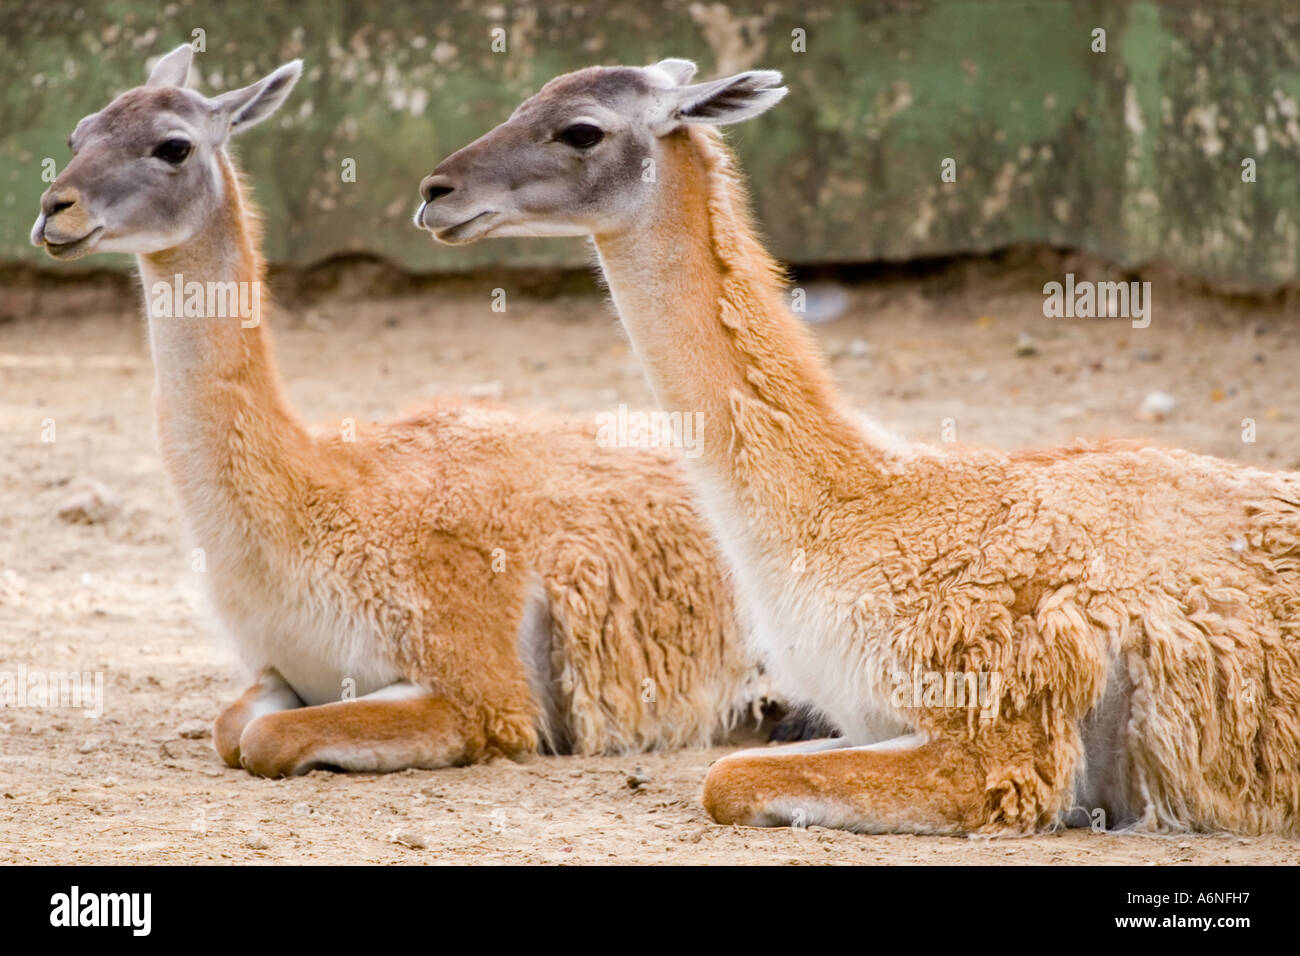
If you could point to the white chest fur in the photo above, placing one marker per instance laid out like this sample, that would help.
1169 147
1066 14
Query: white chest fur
816 651
324 650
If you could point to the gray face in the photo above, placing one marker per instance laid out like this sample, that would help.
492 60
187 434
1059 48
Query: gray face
580 158
144 175
141 178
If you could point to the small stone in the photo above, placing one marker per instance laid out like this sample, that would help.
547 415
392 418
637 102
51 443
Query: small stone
316 321
820 302
486 390
13 588
88 746
1146 355
1026 345
859 348
92 503
408 839
193 730
257 840
637 779
1157 406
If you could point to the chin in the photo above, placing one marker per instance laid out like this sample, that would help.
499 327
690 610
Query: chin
67 251
448 237
541 230
136 247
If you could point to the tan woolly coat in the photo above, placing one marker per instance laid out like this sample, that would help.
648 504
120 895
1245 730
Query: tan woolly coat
1140 606
552 591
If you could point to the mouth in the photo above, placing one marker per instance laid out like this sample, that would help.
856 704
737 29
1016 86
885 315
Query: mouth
74 249
463 232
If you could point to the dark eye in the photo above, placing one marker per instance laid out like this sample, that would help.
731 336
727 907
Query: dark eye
582 135
174 151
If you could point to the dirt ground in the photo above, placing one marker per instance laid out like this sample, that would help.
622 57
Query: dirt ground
966 343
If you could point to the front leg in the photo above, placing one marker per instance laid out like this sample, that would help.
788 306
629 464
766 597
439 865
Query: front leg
904 785
402 725
268 694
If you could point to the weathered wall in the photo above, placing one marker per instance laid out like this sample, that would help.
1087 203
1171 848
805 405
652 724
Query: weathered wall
1133 154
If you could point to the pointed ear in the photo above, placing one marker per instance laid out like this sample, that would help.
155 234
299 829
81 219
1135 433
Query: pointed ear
679 71
725 101
173 69
255 103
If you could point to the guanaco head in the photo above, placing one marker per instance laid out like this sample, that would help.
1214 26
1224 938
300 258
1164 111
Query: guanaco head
144 176
578 159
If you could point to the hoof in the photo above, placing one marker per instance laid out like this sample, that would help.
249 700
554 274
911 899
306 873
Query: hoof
266 750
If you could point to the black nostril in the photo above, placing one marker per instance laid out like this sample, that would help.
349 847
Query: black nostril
55 200
431 189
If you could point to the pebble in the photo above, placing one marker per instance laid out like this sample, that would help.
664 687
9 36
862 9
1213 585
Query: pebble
1157 406
257 840
93 503
408 839
485 390
315 320
1026 345
193 730
823 302
12 588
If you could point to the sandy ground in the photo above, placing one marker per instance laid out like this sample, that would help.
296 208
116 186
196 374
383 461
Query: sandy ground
142 784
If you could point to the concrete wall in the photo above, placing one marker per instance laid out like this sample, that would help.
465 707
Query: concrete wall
1134 154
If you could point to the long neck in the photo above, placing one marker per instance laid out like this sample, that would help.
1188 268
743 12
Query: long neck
230 442
705 310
